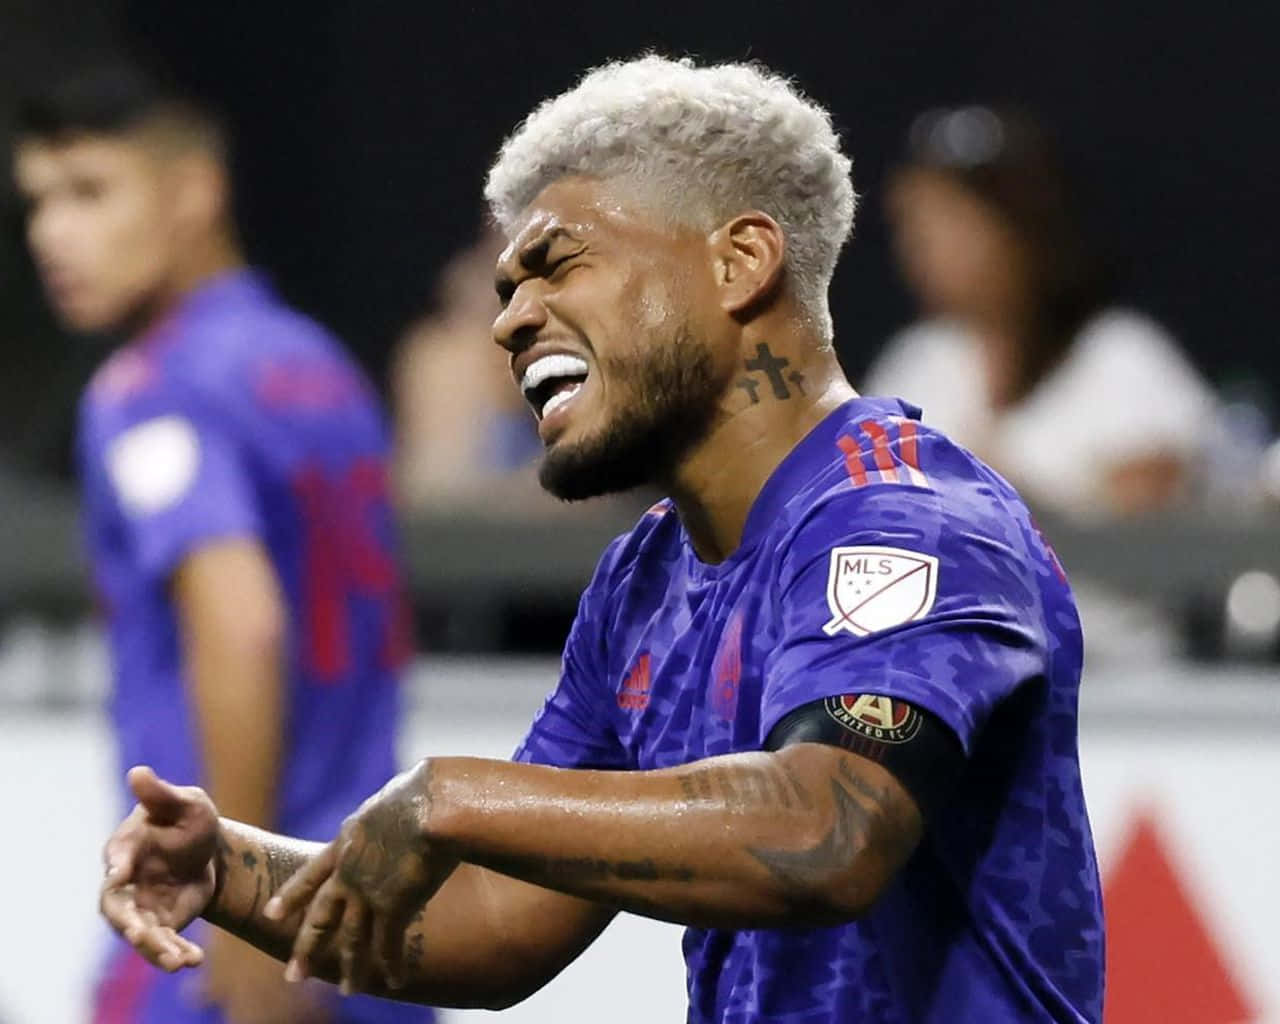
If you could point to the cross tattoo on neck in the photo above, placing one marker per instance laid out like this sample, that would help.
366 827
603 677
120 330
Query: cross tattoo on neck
752 388
771 366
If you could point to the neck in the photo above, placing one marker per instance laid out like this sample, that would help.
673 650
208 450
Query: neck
198 266
779 393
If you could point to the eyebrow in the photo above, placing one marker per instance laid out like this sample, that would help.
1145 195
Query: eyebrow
532 258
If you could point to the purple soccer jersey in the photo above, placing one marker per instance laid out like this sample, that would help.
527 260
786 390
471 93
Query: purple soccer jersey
239 418
879 559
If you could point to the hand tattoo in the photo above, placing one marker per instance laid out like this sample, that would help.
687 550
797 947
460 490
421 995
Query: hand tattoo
386 846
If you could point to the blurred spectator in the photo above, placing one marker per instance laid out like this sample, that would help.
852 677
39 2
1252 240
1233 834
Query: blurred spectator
234 488
466 437
1089 409
462 424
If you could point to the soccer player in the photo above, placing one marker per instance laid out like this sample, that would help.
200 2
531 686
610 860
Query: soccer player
819 706
233 470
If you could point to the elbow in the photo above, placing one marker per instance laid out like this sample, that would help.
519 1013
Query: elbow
504 998
855 892
853 846
835 877
840 891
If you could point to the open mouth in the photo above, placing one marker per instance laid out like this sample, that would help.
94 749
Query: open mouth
551 382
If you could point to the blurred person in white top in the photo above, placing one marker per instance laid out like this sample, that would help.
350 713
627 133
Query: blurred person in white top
1089 409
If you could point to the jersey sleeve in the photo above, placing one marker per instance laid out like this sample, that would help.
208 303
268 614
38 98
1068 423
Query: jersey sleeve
171 475
574 728
886 592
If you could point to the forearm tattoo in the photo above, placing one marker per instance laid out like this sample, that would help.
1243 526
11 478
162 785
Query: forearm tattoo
858 807
573 872
267 866
746 787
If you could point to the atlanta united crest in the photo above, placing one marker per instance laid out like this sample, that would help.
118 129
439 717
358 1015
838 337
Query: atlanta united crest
875 718
873 588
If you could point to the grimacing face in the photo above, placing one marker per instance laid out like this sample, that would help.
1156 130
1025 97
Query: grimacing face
610 322
100 225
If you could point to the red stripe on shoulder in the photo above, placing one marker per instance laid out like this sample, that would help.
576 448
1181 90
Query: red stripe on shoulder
880 445
907 439
909 449
852 459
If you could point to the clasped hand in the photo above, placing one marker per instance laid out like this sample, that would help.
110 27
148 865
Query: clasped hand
362 893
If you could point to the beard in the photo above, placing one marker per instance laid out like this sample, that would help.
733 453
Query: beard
671 403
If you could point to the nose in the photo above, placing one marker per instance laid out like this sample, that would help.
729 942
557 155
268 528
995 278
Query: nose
52 232
521 319
45 230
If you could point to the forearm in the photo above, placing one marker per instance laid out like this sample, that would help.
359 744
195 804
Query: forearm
234 652
459 951
747 840
242 741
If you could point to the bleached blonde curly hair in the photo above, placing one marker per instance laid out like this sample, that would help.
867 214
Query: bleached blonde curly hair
701 144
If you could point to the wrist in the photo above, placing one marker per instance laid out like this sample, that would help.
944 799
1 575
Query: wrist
434 812
221 870
236 884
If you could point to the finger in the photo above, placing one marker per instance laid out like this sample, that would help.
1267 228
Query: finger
118 905
298 892
120 853
156 940
192 954
167 946
161 945
321 919
353 947
163 801
389 941
157 943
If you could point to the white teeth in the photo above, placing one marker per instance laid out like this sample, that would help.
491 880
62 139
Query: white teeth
546 367
559 399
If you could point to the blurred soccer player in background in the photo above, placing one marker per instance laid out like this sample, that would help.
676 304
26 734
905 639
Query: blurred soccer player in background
233 466
819 706
1089 408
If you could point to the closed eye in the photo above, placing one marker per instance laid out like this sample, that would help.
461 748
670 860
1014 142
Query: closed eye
561 267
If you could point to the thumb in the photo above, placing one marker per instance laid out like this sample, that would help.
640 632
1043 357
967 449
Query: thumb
163 801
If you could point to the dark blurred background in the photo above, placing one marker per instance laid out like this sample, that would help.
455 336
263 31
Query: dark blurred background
364 130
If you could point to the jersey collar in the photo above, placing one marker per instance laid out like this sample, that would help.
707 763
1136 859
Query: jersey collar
231 287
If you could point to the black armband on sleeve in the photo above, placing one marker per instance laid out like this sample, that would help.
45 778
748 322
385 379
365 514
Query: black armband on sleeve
912 744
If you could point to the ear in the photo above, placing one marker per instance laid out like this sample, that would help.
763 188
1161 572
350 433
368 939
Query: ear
749 252
202 191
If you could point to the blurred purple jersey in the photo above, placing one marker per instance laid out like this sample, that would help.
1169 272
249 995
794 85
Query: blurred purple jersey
237 417
879 559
